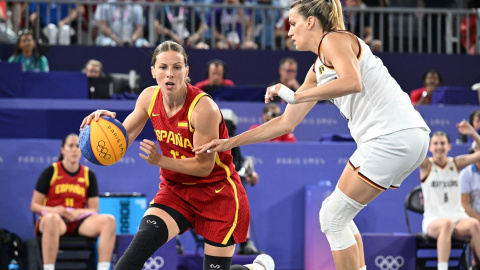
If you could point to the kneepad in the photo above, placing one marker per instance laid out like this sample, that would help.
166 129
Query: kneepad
215 263
336 214
152 234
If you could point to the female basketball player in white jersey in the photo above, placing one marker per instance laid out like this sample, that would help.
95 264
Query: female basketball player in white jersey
444 214
392 137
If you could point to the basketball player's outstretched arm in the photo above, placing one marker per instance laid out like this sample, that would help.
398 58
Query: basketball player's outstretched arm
205 119
283 124
340 51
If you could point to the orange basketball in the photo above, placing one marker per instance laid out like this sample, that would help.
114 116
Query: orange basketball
103 142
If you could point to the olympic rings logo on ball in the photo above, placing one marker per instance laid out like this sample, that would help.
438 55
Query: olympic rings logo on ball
154 263
102 150
389 262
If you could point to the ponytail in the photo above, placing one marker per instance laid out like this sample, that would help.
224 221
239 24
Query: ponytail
328 12
336 15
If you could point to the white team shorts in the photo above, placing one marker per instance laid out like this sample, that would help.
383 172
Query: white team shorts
387 160
455 219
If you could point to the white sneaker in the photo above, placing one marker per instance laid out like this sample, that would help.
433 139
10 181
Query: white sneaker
266 261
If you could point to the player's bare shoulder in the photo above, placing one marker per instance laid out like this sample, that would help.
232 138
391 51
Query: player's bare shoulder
206 105
206 108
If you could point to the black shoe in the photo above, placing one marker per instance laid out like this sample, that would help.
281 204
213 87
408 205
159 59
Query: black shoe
248 248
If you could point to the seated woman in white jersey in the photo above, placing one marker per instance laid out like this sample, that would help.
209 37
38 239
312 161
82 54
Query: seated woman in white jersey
444 214
392 137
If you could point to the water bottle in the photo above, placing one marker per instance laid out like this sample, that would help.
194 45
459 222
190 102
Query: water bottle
13 265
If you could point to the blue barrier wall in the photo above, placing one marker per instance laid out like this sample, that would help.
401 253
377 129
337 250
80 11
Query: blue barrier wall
53 118
247 67
55 84
277 202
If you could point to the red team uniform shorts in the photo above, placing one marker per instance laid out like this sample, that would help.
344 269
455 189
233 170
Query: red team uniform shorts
217 211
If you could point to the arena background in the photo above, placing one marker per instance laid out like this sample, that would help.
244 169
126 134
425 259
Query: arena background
30 129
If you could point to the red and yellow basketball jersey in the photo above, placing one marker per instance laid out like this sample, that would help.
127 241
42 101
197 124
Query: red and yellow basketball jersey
175 138
66 190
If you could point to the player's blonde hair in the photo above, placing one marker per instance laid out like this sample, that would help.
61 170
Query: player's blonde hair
170 46
328 12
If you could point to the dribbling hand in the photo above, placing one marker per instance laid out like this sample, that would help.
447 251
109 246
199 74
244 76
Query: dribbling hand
96 115
217 145
152 156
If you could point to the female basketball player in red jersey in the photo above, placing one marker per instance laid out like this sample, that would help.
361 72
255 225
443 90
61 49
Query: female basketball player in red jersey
203 192
66 197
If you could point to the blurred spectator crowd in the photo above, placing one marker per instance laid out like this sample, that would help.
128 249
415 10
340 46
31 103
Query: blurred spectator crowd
239 24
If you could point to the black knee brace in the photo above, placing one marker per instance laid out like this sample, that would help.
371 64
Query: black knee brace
152 234
216 263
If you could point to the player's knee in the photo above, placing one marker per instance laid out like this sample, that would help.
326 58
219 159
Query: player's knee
109 222
51 223
447 225
152 234
336 216
215 263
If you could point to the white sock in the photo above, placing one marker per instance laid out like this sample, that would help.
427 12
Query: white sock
363 268
442 266
49 267
103 266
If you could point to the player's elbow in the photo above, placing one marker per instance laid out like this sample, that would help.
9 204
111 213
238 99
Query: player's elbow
289 129
287 124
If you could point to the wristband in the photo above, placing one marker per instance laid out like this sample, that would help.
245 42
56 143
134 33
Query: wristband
44 212
287 94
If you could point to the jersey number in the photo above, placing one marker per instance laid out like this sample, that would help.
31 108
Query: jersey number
445 197
69 202
176 155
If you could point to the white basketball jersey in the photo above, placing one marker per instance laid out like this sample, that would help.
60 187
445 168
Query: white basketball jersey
381 107
441 192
